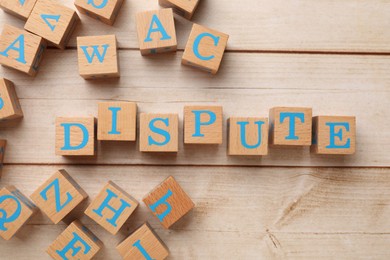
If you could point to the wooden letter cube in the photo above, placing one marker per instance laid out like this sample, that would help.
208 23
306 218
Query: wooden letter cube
203 124
3 144
105 11
205 49
9 102
248 136
75 136
58 196
182 8
159 133
20 8
97 57
112 207
156 31
52 21
21 50
117 121
76 242
15 210
334 135
290 126
168 202
143 244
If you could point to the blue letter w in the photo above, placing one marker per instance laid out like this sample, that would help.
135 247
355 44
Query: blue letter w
96 52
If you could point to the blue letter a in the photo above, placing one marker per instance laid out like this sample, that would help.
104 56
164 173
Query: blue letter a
159 28
56 185
96 52
19 40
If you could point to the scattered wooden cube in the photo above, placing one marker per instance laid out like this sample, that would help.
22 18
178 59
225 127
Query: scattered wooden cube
205 49
159 133
111 208
248 136
142 244
75 136
104 11
9 102
156 31
52 21
168 202
58 196
3 144
203 124
290 126
76 242
180 7
334 135
20 8
21 50
15 210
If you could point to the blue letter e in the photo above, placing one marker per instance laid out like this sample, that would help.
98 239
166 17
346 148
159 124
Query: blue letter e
67 146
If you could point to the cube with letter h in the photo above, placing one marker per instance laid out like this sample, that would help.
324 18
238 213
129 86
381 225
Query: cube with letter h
76 242
205 49
111 208
168 202
156 31
58 196
105 11
15 211
334 135
20 8
97 57
9 103
180 7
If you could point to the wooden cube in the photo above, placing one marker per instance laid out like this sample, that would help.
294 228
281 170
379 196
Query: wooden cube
9 102
52 21
142 244
180 7
58 196
290 126
334 135
20 8
159 133
205 49
203 125
98 57
3 144
16 209
111 208
117 121
156 31
75 136
248 136
21 50
168 202
76 242
105 11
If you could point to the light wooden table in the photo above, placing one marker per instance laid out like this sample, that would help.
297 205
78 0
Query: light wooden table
331 55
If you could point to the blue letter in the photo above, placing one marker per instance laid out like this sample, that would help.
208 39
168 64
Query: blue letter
22 2
71 246
67 146
197 42
159 28
96 52
243 135
292 117
198 123
57 193
161 201
1 103
21 58
4 218
338 134
102 5
138 245
47 17
159 131
114 111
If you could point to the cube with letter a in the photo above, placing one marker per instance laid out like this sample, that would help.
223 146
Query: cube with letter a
180 7
20 8
9 103
105 11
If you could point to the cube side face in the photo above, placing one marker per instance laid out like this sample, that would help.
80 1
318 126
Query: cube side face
3 145
203 125
9 103
20 9
104 11
182 8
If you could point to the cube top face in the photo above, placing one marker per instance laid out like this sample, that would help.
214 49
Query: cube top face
58 196
334 135
117 121
104 11
168 202
20 8
21 50
291 126
156 31
111 208
248 136
159 132
75 136
142 244
205 49
9 102
52 21
97 56
185 8
203 125
76 242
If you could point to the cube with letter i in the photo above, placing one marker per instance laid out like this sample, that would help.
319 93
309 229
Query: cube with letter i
143 244
105 11
168 202
75 136
20 8
248 136
58 196
334 135
9 103
111 208
16 210
205 49
21 50
97 57
76 242
52 21
180 7
156 31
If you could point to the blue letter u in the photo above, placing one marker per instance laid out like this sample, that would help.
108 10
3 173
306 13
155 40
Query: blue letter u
243 134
